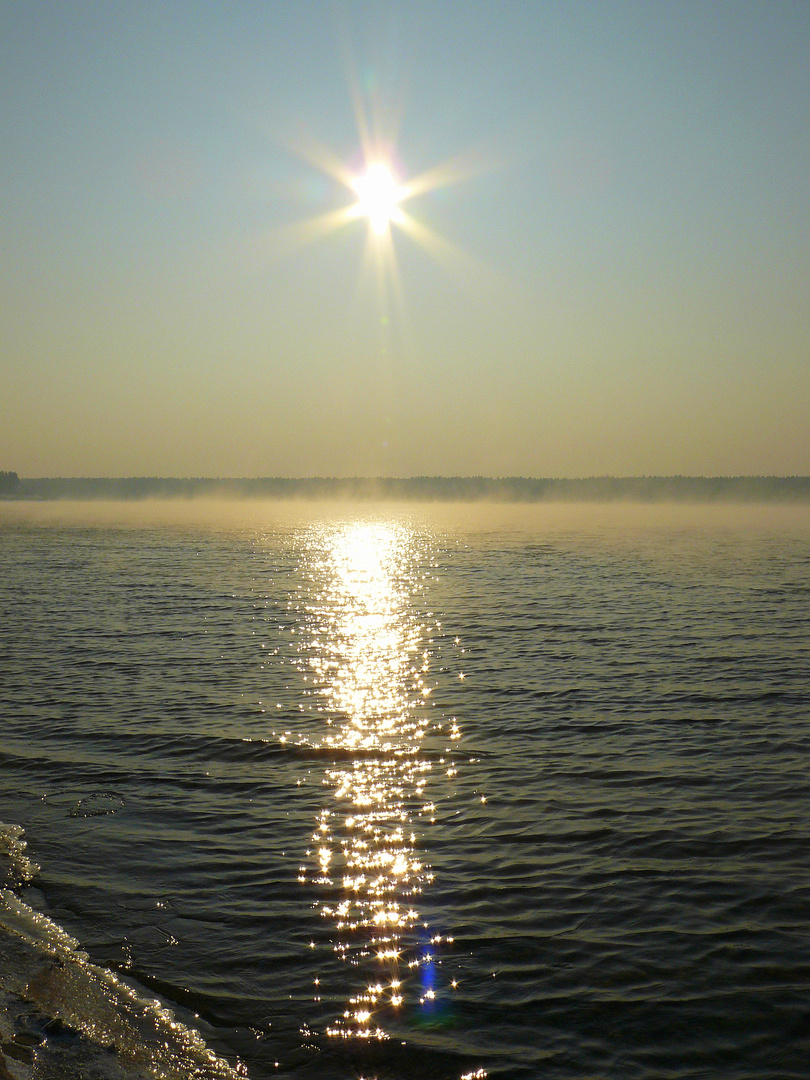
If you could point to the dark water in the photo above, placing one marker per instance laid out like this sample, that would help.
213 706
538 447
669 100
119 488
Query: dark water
424 794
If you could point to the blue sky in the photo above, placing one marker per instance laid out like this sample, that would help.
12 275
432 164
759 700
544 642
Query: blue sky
622 285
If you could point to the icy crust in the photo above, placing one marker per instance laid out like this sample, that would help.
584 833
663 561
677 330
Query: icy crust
61 1016
15 866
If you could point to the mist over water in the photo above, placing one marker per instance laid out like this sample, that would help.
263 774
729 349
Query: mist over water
607 519
406 791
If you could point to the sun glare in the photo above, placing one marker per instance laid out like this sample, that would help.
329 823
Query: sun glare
378 195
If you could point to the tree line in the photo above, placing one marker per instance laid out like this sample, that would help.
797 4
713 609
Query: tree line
9 483
424 488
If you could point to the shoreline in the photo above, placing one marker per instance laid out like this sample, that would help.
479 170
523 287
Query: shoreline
423 489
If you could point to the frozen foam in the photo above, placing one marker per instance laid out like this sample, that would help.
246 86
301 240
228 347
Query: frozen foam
62 1013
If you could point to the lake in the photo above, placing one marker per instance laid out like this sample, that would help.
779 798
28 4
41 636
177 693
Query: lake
400 792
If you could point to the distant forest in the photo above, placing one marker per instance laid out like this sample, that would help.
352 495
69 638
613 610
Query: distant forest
517 489
9 483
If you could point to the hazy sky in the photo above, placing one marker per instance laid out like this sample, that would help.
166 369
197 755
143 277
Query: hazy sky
616 276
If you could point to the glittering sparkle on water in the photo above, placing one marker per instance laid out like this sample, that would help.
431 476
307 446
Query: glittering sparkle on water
367 652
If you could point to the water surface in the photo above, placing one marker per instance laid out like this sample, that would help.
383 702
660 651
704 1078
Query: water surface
405 793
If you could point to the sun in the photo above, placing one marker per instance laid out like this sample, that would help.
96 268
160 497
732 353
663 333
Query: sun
378 190
378 195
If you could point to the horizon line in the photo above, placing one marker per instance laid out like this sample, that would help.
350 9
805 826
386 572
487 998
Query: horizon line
427 476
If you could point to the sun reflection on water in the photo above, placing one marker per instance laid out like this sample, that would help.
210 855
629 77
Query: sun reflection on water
368 652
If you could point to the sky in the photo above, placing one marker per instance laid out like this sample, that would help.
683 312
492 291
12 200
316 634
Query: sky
600 262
